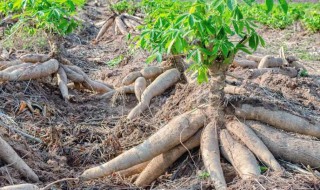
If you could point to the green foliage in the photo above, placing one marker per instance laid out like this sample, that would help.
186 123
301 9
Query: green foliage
126 6
263 169
116 61
204 175
54 16
303 73
307 13
207 32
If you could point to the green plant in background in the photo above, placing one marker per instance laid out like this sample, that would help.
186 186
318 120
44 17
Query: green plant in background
204 175
125 6
116 61
307 13
209 33
54 16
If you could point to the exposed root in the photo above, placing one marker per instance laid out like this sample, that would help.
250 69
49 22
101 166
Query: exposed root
122 23
176 131
158 165
12 158
133 170
157 87
229 89
280 119
291 72
6 64
270 61
35 58
286 146
239 156
254 143
21 187
211 155
35 71
245 63
139 86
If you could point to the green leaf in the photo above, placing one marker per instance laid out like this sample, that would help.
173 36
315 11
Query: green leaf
262 42
159 57
232 4
225 50
191 20
252 42
284 5
197 56
269 4
151 58
202 75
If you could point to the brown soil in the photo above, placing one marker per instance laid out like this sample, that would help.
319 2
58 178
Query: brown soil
87 132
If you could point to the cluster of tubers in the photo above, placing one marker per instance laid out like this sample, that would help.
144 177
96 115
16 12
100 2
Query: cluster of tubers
289 65
35 66
248 137
122 24
151 158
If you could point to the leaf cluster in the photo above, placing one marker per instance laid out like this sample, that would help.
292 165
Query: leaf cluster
307 13
54 16
206 32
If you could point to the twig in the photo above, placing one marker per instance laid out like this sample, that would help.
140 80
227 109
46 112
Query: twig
58 181
20 132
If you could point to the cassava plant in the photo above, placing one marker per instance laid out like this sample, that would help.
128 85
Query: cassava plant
210 34
56 18
122 18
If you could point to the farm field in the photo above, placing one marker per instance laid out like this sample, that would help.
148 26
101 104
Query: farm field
154 92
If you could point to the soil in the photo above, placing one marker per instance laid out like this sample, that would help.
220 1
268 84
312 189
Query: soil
80 134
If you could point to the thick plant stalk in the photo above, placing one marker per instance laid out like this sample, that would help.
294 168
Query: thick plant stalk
159 164
21 187
32 72
11 157
62 82
211 155
35 58
133 170
239 156
279 119
286 146
177 130
254 143
157 87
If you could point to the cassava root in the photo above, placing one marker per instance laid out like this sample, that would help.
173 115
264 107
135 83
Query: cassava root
211 155
254 143
279 119
11 157
157 87
177 130
286 146
239 156
158 165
